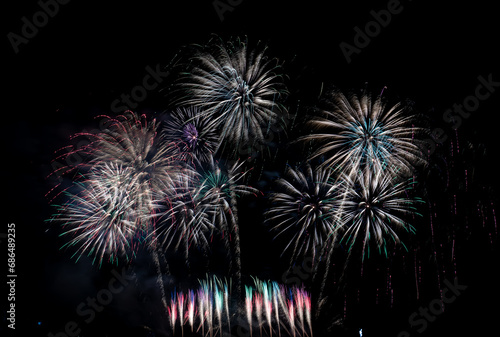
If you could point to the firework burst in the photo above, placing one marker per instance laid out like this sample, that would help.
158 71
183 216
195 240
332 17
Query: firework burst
191 134
239 89
133 142
372 207
220 184
103 217
358 132
303 207
202 204
186 220
126 174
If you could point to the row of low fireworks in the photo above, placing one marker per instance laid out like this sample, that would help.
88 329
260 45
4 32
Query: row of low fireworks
174 184
269 308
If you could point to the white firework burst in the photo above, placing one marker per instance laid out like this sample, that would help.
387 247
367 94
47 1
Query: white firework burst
105 216
241 91
126 173
187 219
373 208
133 142
303 206
358 132
201 204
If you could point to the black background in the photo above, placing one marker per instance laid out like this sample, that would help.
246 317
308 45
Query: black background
91 52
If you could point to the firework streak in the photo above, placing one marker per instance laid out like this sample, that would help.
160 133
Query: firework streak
269 309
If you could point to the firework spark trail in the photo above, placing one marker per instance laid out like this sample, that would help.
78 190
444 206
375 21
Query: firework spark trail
202 310
282 295
249 307
180 302
219 301
268 305
434 249
307 304
291 315
275 289
300 308
226 304
258 310
208 296
191 308
417 275
235 230
238 89
494 219
172 312
215 293
159 275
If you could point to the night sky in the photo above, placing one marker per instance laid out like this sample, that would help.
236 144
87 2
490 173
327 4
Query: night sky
89 53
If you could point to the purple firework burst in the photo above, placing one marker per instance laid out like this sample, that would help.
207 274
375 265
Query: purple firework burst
190 134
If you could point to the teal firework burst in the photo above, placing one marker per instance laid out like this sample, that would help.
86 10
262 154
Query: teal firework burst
359 132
